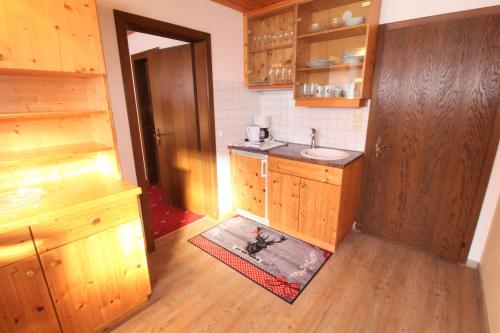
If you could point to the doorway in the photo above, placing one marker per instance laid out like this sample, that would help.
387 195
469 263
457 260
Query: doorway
168 86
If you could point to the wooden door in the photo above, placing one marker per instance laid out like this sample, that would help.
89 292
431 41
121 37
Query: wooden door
283 200
435 100
175 118
25 305
95 280
319 209
249 184
145 108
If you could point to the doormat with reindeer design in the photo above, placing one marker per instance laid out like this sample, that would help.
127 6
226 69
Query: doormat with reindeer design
280 263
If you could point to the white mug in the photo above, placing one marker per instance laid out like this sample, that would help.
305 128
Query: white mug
253 133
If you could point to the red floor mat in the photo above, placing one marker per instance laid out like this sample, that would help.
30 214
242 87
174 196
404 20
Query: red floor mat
167 218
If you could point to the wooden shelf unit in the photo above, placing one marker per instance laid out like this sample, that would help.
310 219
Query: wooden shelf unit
60 179
326 44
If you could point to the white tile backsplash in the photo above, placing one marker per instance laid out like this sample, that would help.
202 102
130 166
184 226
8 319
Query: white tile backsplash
236 106
339 128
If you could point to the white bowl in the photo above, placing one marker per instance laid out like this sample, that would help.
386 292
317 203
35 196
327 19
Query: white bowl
354 21
314 27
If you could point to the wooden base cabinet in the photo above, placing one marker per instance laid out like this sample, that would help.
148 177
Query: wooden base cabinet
94 281
25 305
313 202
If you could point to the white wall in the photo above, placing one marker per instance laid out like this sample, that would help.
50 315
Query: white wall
139 42
225 26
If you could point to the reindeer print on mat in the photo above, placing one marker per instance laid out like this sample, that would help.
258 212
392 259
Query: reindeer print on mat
280 263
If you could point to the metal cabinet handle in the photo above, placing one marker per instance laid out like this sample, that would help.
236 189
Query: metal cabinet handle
29 274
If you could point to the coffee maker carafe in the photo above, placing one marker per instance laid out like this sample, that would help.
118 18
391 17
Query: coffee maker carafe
263 122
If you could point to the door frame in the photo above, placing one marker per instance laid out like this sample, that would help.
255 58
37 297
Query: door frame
202 68
493 140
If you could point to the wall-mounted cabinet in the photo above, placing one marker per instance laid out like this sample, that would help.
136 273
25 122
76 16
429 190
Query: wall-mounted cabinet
270 42
331 51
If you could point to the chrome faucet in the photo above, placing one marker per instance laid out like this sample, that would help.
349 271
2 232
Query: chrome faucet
313 138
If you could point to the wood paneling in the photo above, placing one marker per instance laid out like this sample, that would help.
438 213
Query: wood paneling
90 290
433 112
25 304
246 5
319 210
283 200
64 229
249 185
57 36
15 246
369 285
306 170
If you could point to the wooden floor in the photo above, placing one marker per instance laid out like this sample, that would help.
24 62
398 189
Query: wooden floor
367 286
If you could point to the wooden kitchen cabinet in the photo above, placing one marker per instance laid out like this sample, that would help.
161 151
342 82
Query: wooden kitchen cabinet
92 288
281 36
56 35
25 304
314 202
319 210
284 192
249 182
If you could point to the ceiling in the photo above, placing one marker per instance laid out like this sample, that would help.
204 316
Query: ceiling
246 5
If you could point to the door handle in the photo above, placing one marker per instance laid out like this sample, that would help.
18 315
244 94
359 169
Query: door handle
156 134
380 147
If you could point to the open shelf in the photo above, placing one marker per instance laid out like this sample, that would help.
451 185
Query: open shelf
336 102
52 153
330 34
268 49
50 114
337 67
33 204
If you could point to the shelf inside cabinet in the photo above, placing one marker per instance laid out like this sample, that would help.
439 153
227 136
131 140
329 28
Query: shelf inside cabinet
269 86
334 102
50 114
336 67
337 33
269 49
20 207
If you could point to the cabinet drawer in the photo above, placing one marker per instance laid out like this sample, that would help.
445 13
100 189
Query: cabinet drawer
68 228
15 246
320 173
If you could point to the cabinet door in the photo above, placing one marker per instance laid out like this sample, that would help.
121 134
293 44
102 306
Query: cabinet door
50 35
249 185
95 280
25 304
284 191
319 208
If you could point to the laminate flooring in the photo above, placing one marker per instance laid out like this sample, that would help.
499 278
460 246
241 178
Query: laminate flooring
368 285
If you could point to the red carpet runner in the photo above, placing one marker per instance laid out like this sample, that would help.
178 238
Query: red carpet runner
167 218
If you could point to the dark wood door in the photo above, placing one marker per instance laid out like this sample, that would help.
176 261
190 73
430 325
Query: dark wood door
175 118
145 108
436 95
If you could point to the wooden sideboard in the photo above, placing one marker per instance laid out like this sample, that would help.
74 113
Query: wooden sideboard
72 253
